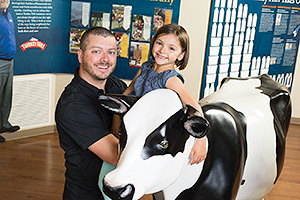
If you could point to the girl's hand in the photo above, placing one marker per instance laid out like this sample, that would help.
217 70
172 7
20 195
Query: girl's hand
198 152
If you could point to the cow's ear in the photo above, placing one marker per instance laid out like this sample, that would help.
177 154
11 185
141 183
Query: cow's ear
193 123
119 104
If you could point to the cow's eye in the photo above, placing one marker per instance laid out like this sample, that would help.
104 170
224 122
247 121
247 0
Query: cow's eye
164 144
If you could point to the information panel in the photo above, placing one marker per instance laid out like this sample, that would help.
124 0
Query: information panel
48 31
251 37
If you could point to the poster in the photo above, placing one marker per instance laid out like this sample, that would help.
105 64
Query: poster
120 17
141 28
80 14
100 19
251 37
47 31
75 36
139 53
161 17
122 44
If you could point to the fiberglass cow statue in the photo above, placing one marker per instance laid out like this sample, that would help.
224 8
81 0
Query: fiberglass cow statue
248 124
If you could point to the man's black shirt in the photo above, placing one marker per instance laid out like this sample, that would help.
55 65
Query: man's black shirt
81 121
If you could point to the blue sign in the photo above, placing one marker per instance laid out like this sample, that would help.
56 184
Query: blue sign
44 29
251 37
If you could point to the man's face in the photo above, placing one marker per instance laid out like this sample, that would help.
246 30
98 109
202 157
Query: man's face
99 59
4 4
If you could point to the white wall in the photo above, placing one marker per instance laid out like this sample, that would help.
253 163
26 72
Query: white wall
295 90
194 17
61 81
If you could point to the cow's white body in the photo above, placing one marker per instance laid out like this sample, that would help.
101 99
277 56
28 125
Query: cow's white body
251 148
260 167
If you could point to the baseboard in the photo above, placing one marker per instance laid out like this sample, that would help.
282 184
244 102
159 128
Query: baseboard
29 132
52 129
295 120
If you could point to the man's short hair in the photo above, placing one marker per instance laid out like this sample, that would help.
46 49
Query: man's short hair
93 31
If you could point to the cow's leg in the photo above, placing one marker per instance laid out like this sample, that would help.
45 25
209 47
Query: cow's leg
147 197
158 196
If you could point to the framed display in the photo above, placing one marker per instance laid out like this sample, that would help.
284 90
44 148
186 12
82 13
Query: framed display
248 38
58 26
80 14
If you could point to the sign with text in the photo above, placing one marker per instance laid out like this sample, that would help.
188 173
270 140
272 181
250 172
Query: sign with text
48 31
249 38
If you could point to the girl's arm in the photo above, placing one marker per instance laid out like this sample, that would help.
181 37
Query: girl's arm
174 83
131 85
198 152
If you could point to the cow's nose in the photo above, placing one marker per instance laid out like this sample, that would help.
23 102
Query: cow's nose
122 192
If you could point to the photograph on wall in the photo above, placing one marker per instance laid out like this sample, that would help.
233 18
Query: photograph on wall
141 28
139 53
251 38
122 44
75 35
100 19
121 17
80 14
161 17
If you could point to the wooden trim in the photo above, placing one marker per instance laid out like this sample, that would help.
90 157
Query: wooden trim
29 132
295 120
52 129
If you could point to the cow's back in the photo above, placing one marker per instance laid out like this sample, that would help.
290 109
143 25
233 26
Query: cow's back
262 107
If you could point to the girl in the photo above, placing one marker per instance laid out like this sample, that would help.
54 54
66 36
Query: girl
170 49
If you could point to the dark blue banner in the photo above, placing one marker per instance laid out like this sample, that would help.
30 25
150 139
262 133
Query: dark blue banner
47 30
251 37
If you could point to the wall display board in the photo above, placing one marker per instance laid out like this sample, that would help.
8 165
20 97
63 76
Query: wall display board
251 37
48 31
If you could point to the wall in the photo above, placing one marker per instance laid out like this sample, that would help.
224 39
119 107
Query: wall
295 91
61 81
194 18
197 30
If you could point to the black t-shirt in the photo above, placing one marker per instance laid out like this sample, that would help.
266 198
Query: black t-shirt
81 121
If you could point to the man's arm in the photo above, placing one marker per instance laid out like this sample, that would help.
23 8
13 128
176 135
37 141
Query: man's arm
107 149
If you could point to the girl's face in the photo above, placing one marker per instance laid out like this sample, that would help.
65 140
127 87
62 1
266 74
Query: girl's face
166 50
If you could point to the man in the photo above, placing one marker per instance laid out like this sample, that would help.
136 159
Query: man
83 125
7 53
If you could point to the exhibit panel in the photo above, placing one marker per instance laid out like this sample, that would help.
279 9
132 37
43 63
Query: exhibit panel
48 31
250 38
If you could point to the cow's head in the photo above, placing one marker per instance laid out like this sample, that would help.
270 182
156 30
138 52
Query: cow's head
155 140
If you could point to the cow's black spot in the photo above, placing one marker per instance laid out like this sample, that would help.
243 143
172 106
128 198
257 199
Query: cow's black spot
243 182
123 136
168 138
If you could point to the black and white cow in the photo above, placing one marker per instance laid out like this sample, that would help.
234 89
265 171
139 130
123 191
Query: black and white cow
248 119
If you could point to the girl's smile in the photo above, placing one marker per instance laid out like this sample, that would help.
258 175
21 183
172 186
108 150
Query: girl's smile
166 50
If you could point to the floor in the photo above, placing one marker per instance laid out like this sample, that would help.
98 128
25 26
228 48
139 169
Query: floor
33 168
